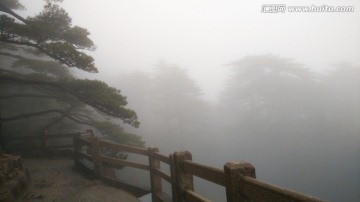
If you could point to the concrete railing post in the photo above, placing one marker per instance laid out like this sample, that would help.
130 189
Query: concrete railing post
45 141
182 179
173 178
155 180
234 170
76 148
96 152
2 137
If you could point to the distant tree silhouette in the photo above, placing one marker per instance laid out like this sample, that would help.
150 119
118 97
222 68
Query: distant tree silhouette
270 90
175 98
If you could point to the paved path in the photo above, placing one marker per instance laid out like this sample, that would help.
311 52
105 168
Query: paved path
55 180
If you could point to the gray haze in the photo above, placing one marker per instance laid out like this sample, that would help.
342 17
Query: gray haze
228 82
204 35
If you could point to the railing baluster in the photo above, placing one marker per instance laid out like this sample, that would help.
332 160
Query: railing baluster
232 171
96 152
183 180
155 180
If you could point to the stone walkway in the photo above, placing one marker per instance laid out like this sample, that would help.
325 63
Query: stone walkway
55 180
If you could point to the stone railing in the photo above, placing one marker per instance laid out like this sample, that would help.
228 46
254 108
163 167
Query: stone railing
237 177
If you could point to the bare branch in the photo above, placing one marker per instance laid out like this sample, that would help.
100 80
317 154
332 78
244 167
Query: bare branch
87 100
52 123
39 113
32 114
11 55
25 95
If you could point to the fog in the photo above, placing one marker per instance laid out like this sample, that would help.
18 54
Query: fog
228 82
202 36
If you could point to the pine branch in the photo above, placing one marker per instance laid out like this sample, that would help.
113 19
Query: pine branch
9 11
26 43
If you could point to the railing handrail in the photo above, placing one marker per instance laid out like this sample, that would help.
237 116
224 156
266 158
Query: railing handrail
124 148
43 139
212 174
266 190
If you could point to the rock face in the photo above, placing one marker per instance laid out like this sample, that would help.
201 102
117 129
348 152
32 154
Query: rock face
14 178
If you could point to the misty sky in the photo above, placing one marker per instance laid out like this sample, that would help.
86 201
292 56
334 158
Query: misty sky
204 35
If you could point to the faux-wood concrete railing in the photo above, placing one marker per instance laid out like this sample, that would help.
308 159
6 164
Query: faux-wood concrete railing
238 178
42 142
